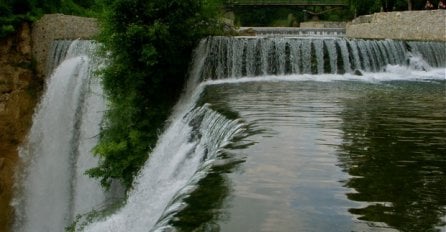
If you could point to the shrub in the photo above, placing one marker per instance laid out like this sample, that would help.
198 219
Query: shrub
149 45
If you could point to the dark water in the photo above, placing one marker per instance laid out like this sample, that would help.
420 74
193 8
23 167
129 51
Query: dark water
328 156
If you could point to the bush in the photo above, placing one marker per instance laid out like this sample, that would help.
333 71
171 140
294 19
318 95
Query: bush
14 12
150 45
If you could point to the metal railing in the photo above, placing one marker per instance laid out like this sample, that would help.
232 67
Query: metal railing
287 2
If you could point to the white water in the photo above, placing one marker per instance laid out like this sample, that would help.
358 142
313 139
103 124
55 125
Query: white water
296 31
261 56
393 73
67 122
65 127
190 144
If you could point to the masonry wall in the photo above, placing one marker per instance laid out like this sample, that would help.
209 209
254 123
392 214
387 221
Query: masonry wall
58 26
429 25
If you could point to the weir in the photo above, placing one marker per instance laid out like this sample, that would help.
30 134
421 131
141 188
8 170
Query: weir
295 31
206 137
195 145
257 56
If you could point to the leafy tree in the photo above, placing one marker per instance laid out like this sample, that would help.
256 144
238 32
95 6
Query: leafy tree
362 7
14 12
150 44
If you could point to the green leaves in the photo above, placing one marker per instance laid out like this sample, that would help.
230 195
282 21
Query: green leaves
149 55
6 29
111 148
150 43
14 12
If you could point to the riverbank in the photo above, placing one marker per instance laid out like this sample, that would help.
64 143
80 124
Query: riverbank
428 25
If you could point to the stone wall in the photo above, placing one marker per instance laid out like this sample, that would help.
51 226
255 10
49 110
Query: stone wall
429 25
58 26
322 24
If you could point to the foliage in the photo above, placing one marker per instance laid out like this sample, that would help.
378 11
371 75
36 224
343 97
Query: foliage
14 12
277 16
265 16
149 45
362 7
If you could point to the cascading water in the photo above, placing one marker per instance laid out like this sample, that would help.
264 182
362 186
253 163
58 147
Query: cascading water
296 31
184 154
57 54
186 151
257 56
53 188
200 135
191 145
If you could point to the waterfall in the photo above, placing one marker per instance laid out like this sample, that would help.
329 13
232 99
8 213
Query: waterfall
233 57
293 31
197 135
53 188
185 152
57 54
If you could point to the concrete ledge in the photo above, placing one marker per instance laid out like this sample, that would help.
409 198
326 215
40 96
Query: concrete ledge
322 24
58 26
406 25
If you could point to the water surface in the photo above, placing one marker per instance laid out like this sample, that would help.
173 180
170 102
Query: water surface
328 156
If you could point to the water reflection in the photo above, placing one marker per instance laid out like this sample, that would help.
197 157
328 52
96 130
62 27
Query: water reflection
289 181
202 212
337 156
394 147
203 205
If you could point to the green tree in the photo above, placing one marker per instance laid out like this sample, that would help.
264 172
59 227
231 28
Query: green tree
15 12
150 44
362 7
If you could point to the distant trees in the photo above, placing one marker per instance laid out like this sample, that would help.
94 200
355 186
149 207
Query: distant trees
269 16
362 7
13 12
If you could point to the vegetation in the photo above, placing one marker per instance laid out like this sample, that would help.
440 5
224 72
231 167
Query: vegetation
149 45
361 7
14 12
291 16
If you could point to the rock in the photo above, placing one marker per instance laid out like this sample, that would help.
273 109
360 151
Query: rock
247 32
357 72
16 109
24 43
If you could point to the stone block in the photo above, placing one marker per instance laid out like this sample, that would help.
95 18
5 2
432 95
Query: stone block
404 25
58 26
